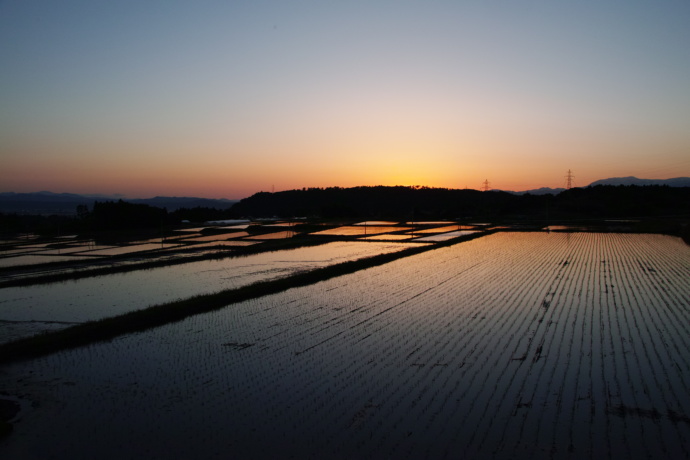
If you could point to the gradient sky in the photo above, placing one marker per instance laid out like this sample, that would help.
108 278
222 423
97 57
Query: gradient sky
223 99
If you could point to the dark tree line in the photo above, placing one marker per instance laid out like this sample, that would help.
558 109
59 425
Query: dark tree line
400 203
107 216
423 203
121 215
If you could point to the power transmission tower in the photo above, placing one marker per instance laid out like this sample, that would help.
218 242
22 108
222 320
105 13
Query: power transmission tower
569 180
485 186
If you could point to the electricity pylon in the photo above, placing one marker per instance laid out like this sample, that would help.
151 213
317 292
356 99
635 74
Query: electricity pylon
569 180
485 186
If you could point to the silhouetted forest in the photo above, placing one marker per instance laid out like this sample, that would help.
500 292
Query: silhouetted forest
435 203
395 203
107 216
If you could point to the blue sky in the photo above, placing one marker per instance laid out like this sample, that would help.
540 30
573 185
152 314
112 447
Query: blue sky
224 99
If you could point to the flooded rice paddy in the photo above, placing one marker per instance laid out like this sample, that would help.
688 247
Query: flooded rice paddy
35 259
185 242
513 345
25 310
446 236
361 230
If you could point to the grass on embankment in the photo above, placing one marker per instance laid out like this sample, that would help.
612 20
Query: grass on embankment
158 315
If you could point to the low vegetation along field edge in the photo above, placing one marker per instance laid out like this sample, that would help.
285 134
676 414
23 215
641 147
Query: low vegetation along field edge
158 315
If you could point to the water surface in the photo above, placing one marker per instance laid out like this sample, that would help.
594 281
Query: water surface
533 346
109 295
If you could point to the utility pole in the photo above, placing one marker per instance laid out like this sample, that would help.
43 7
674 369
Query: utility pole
485 186
569 180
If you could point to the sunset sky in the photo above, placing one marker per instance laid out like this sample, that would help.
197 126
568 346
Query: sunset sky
223 99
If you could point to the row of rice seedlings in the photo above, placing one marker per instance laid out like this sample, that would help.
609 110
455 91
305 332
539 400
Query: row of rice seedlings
531 363
576 394
391 378
670 318
656 353
488 339
620 287
490 316
393 374
558 364
508 393
545 344
536 324
583 413
369 375
316 359
656 398
451 366
421 404
614 371
625 354
668 275
579 268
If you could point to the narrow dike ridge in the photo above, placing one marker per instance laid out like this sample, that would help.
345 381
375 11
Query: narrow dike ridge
140 320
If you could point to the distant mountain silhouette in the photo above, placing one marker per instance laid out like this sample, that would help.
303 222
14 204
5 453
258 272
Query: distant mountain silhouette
538 191
66 203
172 203
630 180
